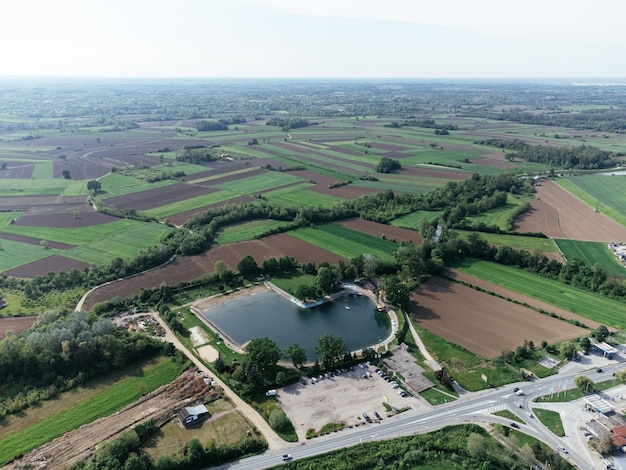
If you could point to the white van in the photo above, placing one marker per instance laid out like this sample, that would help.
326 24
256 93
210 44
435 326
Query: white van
563 449
270 393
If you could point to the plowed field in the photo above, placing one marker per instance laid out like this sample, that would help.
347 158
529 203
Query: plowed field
482 323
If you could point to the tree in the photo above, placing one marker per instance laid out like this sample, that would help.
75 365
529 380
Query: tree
278 419
247 267
601 333
621 375
270 266
585 344
297 354
331 349
475 444
44 244
3 166
324 279
568 350
67 174
262 355
527 454
94 186
397 292
583 383
387 165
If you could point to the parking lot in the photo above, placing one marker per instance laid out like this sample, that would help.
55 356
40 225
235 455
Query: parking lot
340 398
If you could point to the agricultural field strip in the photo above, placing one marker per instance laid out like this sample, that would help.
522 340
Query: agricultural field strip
124 244
591 253
402 188
604 192
323 159
75 236
300 196
23 186
414 220
247 230
258 183
345 242
114 185
586 304
7 217
27 254
545 245
43 170
190 204
222 175
107 402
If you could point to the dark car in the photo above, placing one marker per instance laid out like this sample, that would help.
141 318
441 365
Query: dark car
516 389
599 370
287 457
514 425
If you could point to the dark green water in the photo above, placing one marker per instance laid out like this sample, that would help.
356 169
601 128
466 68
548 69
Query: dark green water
267 314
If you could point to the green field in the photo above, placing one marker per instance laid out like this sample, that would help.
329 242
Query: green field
603 193
246 230
298 195
114 185
83 410
124 244
346 242
544 245
581 302
416 219
14 254
592 253
258 183
189 204
497 217
37 187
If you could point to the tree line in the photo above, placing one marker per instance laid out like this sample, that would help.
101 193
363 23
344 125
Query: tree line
584 157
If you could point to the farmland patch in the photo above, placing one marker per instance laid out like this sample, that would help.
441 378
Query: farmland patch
482 323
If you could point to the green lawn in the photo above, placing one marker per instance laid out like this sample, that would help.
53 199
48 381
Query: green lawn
190 204
499 216
551 420
416 219
86 410
114 185
246 230
14 254
346 242
299 195
259 183
592 253
519 242
581 302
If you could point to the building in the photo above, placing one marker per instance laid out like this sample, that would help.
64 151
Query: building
192 415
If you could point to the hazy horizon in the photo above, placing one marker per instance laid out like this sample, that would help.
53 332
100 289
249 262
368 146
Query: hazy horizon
323 39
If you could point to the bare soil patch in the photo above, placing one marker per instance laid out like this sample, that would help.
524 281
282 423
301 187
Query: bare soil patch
482 323
34 241
63 216
159 405
494 160
381 230
16 324
18 171
208 353
475 281
189 268
574 219
51 264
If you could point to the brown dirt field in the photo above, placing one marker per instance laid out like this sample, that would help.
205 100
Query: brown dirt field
81 443
186 269
62 216
482 323
350 191
34 241
378 230
158 197
559 214
236 177
54 264
18 172
16 324
521 298
494 160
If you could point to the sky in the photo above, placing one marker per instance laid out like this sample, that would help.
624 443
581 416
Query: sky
314 38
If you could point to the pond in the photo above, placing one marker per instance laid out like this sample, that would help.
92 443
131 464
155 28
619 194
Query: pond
353 318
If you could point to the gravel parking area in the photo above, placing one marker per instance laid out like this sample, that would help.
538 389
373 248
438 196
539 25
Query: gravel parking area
341 398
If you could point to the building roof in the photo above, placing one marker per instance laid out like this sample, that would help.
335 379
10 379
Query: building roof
599 403
620 431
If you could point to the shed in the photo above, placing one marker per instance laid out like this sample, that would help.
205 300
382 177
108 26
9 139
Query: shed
191 415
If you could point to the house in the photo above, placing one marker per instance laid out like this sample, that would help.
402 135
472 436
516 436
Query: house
191 415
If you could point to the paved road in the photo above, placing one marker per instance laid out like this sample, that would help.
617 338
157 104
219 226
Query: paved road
473 407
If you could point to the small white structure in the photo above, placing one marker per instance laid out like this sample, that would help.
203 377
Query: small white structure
191 415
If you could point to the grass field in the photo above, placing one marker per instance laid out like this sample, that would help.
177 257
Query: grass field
551 420
246 230
298 195
264 182
592 253
498 217
545 245
189 204
123 244
74 409
586 304
33 187
416 219
346 242
114 185
602 192
14 254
